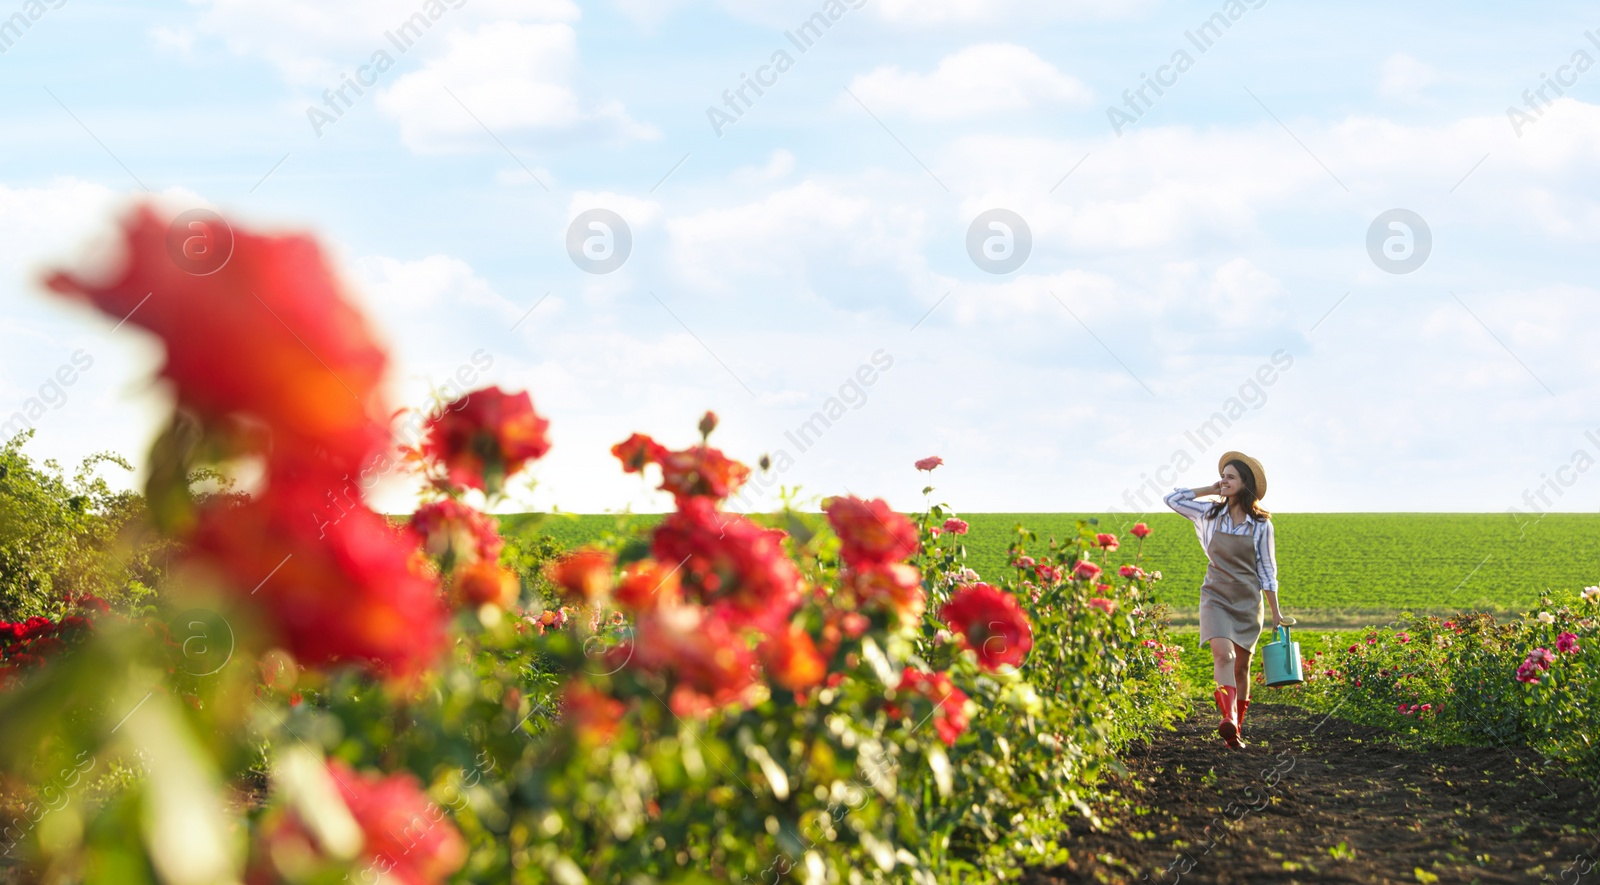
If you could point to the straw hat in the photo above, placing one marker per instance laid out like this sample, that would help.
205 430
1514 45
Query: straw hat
1255 467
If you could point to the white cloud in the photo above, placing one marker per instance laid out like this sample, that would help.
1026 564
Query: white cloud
809 226
1404 77
983 79
310 41
929 13
512 78
177 41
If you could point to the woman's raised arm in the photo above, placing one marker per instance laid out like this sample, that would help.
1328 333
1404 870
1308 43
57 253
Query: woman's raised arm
1184 501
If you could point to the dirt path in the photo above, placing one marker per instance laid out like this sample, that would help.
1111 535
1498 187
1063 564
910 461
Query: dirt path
1315 799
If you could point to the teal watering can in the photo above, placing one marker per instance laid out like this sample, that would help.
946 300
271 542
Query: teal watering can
1280 659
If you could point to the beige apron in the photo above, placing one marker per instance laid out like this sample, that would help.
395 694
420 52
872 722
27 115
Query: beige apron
1231 603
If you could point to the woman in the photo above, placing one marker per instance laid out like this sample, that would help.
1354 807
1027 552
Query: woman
1236 534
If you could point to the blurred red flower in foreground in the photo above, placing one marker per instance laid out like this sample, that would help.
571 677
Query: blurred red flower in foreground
710 663
584 576
870 534
594 715
730 564
407 836
485 583
929 463
354 594
950 703
451 531
270 335
895 587
486 436
991 623
792 659
646 584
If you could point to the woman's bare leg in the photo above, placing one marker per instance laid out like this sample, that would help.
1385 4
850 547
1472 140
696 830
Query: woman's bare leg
1241 669
1224 661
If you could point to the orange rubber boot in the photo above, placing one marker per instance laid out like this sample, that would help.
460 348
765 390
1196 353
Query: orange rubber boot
1226 697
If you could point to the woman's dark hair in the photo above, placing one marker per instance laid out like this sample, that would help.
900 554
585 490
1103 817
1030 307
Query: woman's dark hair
1247 496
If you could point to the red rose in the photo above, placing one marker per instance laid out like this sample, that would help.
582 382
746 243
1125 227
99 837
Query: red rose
792 659
730 564
1131 571
485 437
585 576
1106 605
695 472
991 623
1140 530
270 335
351 591
929 463
869 532
955 526
636 451
1086 570
708 661
896 587
1105 540
950 703
593 715
405 833
403 836
452 532
701 472
646 584
485 583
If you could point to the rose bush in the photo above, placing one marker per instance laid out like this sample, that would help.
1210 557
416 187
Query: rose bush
323 696
1534 681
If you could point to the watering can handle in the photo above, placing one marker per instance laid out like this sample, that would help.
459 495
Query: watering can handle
1282 633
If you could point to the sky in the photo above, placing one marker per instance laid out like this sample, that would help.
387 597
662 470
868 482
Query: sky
1047 242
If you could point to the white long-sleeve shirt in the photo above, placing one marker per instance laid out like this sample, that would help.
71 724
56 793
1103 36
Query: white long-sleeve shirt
1184 502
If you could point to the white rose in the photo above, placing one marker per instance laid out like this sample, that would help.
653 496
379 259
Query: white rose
1546 618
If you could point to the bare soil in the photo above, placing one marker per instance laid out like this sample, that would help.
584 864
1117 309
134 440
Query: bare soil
1318 799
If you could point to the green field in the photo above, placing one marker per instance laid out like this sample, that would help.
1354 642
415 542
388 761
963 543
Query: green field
1334 569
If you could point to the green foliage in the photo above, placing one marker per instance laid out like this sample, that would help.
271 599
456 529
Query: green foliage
65 537
1337 568
1465 671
